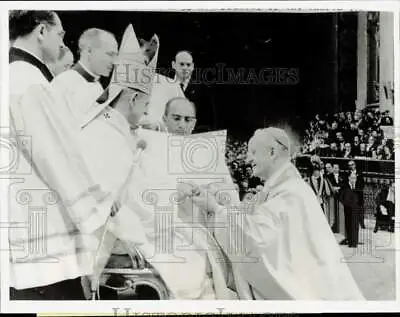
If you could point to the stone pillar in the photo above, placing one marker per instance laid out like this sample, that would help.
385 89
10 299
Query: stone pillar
386 62
362 63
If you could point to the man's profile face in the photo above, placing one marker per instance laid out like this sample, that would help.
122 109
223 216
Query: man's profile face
259 157
103 54
52 40
183 65
138 104
180 118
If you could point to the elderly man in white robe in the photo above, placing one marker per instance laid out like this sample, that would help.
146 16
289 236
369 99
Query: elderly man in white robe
110 149
296 256
80 85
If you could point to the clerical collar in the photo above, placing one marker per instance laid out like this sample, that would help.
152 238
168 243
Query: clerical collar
85 72
17 54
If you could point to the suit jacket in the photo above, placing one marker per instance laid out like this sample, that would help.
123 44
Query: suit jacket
331 178
381 199
352 199
201 96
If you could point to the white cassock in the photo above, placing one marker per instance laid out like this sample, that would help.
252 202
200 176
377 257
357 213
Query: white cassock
78 92
57 249
163 90
290 250
110 147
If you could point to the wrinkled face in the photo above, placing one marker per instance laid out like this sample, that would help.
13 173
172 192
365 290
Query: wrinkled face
180 118
183 65
132 104
261 157
102 55
51 38
336 168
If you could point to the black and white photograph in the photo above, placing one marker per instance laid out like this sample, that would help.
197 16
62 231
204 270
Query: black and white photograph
186 154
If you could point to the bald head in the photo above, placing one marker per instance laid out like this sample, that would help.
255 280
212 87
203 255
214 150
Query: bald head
268 150
183 65
98 50
180 116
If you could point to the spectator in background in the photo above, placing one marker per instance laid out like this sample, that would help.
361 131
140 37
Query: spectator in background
64 62
362 136
336 182
363 150
359 186
353 201
334 151
321 188
371 146
356 145
385 210
348 153
387 153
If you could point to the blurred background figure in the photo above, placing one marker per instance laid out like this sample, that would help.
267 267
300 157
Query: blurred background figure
385 211
64 62
321 188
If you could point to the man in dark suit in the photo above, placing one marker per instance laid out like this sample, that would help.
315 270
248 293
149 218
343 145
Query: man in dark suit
195 90
353 202
359 185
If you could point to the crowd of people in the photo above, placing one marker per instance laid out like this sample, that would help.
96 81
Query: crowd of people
350 135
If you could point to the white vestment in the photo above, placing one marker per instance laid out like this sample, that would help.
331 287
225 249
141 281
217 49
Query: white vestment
79 93
108 143
54 189
164 89
288 250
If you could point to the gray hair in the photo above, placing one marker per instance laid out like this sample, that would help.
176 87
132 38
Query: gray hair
91 37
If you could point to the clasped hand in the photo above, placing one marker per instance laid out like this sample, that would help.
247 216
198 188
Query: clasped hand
202 197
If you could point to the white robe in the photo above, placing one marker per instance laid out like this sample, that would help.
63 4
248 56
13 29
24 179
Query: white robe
79 94
163 90
292 250
56 165
109 145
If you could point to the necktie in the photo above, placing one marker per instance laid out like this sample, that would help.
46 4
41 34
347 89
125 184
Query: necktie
182 87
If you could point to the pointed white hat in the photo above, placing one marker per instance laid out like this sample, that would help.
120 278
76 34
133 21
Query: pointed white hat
135 68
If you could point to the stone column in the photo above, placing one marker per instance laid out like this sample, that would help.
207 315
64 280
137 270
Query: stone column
386 62
362 63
